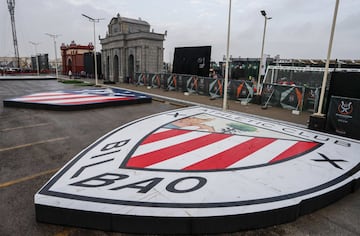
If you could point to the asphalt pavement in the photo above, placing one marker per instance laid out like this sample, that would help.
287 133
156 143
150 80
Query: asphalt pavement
34 144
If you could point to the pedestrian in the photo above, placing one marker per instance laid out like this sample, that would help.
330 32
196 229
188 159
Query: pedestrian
70 74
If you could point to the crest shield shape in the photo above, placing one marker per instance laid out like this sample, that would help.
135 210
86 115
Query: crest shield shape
132 180
209 143
78 99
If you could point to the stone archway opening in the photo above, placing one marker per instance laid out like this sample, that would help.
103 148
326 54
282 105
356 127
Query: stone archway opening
116 68
107 68
69 65
131 67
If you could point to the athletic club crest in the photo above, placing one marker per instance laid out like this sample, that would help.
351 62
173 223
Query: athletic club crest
78 99
205 142
177 171
345 107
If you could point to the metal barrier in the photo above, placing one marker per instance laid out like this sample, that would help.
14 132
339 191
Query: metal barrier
290 96
214 87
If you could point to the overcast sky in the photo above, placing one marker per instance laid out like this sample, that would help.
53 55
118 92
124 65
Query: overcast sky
298 29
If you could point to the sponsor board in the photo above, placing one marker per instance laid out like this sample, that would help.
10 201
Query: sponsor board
78 99
343 117
199 170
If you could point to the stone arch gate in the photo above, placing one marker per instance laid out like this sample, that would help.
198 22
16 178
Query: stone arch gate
116 68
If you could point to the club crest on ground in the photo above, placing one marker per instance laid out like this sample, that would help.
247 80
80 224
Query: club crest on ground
199 170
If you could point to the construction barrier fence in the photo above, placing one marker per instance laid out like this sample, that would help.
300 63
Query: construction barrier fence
285 96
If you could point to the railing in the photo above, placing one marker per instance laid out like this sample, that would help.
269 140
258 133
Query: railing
285 96
238 89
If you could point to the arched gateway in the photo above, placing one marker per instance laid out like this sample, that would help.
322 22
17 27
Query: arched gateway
116 68
130 47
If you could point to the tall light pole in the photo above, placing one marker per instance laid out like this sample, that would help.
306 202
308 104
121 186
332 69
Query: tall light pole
11 6
323 86
263 13
54 36
227 61
94 21
36 56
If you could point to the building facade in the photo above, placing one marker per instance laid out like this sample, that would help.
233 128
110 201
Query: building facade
73 57
130 47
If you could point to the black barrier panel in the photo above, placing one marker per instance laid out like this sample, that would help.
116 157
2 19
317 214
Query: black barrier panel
138 79
143 79
156 81
89 63
291 97
240 90
285 96
164 79
135 79
202 86
181 83
149 79
192 84
192 60
343 117
205 86
269 95
216 88
171 83
311 99
343 84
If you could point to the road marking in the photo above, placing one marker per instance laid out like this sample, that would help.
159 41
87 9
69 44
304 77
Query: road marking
32 144
20 180
24 127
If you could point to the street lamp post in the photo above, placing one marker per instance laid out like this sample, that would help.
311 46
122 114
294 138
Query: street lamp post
54 36
263 13
36 56
227 61
95 62
323 86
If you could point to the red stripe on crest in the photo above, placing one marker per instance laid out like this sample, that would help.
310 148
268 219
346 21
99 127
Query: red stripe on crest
226 158
163 154
296 149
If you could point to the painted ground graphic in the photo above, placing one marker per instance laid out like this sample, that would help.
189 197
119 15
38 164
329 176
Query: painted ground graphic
78 99
199 170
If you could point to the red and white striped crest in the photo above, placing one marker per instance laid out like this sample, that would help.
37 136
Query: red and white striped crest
200 165
204 147
73 99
